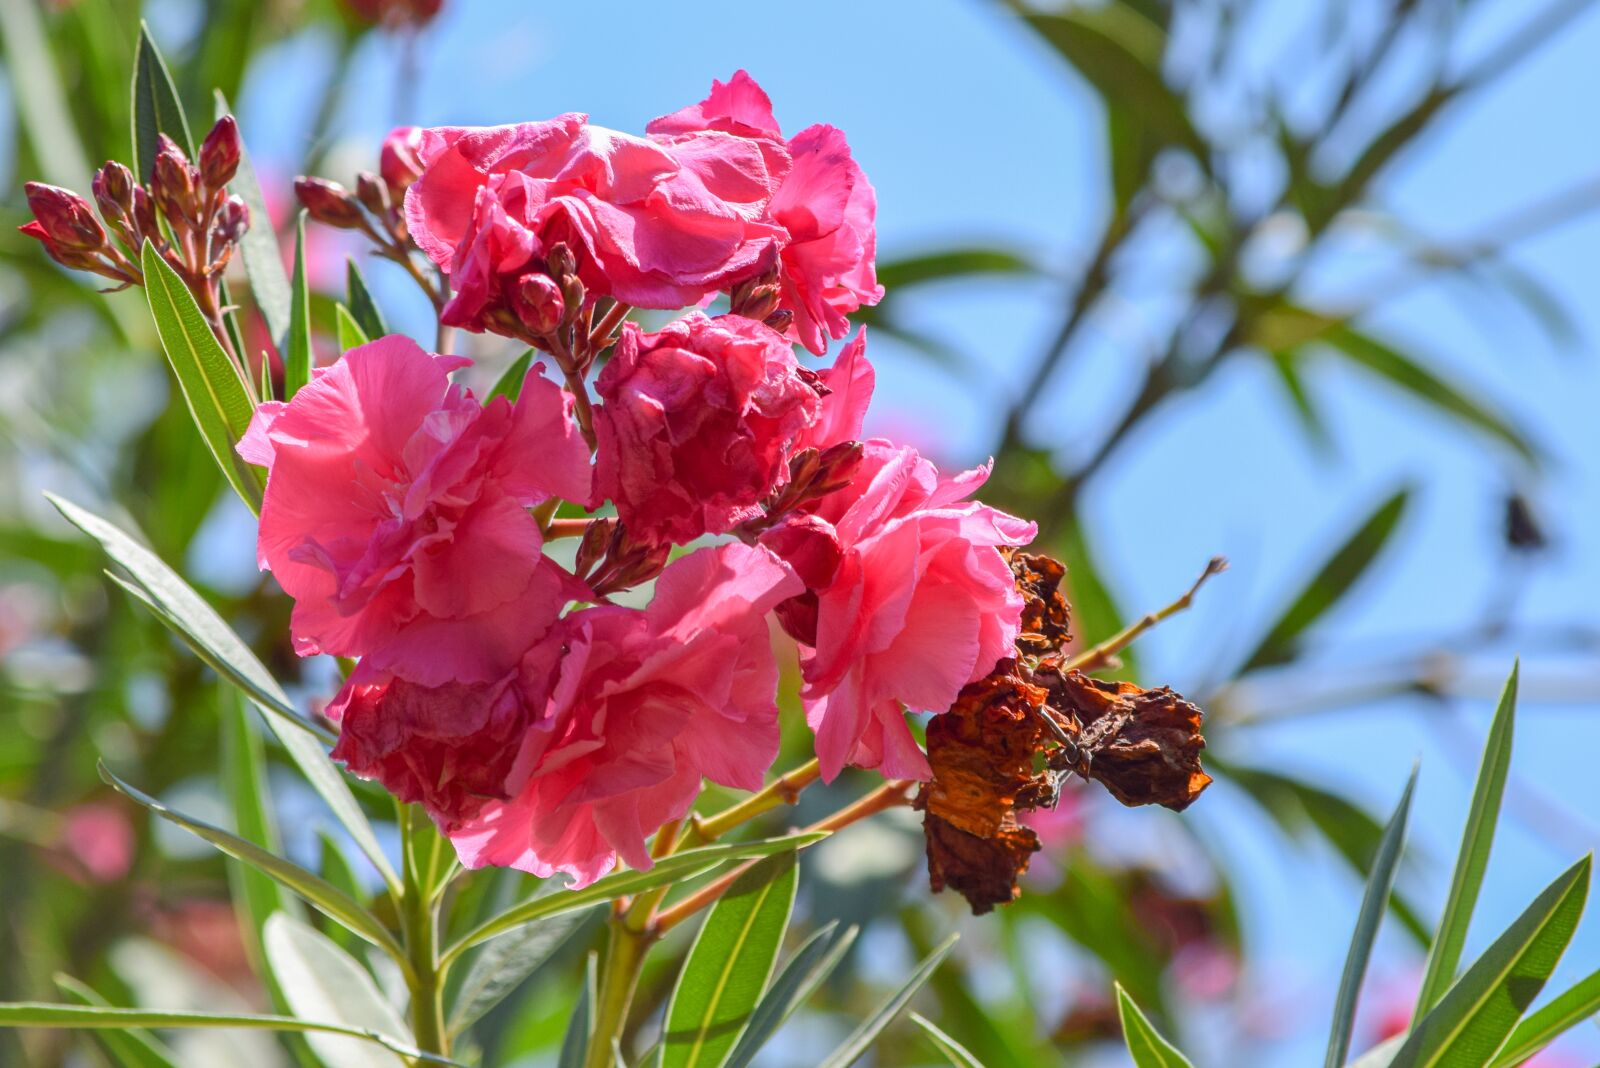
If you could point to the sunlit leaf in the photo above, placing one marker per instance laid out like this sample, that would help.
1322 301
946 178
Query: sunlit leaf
322 982
297 358
327 898
1145 1044
806 970
861 1039
362 306
348 330
1476 1015
1379 885
133 1048
1476 840
504 963
729 965
1562 1014
953 1051
509 384
210 380
156 107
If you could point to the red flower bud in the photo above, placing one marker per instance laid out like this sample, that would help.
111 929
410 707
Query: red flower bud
173 186
219 156
561 261
144 212
329 203
232 221
113 190
65 220
373 193
536 300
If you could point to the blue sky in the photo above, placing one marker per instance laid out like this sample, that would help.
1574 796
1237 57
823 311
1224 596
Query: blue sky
971 132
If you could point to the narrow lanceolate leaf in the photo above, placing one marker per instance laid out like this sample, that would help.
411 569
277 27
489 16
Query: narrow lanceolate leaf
953 1051
297 356
1476 1015
156 108
805 971
1373 903
861 1039
210 381
362 306
177 605
44 1014
667 870
322 982
729 965
256 895
349 331
1331 583
1148 1048
133 1048
258 248
1561 1015
576 1040
327 898
502 965
509 384
1476 841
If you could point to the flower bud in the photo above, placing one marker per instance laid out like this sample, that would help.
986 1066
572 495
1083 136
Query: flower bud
398 161
597 538
329 203
144 212
219 156
837 467
573 296
780 320
373 193
232 221
64 219
561 261
174 184
113 190
538 303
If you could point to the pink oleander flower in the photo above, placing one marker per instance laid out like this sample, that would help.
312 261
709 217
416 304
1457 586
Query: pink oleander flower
399 161
641 705
396 513
652 225
100 838
825 205
908 597
697 424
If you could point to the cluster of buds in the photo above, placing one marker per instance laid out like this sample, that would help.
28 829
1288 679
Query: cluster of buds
377 206
203 222
813 474
757 298
609 561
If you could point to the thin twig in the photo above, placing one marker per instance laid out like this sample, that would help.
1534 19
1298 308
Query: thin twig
1106 651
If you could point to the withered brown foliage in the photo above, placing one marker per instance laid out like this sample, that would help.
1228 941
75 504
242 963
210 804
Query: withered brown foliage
1005 744
1142 745
982 753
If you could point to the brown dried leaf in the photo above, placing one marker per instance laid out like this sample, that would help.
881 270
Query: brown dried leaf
1045 613
1142 745
982 754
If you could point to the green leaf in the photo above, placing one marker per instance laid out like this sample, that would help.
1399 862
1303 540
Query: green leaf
322 982
156 108
187 613
210 380
729 965
133 1048
1379 885
1476 840
806 970
1145 1043
327 898
502 965
670 869
859 1040
258 249
1401 370
44 1014
349 331
509 384
1330 585
335 867
244 774
1305 409
953 1051
1561 1015
39 99
1475 1017
576 1040
953 263
362 306
1350 830
297 358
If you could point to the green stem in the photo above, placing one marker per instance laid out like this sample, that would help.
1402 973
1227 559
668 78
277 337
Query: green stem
619 978
420 919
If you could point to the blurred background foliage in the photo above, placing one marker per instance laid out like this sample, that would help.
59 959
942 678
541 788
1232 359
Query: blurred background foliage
1233 201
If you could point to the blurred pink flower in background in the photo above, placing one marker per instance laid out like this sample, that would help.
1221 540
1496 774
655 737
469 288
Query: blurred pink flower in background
99 837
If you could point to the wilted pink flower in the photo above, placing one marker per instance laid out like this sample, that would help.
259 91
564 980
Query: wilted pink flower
396 513
100 838
652 225
698 424
642 705
825 205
